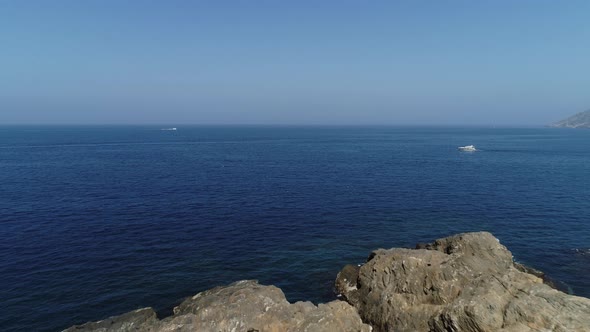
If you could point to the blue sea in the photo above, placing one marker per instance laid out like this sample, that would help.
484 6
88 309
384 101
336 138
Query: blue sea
97 220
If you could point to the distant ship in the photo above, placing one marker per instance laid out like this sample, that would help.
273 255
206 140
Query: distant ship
169 129
467 148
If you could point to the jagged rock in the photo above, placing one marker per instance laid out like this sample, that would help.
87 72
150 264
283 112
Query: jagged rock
466 282
242 306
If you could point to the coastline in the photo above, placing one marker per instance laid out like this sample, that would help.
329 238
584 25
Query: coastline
465 282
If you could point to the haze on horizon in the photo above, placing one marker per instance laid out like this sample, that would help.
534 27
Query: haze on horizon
302 62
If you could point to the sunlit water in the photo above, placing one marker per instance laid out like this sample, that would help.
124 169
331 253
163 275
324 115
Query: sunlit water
96 221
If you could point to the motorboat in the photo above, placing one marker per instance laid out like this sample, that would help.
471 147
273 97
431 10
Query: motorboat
469 148
169 129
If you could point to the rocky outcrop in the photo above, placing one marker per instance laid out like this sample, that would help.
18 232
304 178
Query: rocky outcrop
242 306
466 282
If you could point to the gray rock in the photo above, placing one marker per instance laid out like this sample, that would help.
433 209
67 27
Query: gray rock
466 282
241 306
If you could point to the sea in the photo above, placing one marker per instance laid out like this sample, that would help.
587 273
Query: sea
96 221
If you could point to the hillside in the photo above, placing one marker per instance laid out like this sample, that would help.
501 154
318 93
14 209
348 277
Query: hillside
580 120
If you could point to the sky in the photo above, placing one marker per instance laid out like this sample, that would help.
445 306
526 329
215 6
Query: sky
293 62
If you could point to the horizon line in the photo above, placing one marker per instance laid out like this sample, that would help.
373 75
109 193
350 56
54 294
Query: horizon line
176 125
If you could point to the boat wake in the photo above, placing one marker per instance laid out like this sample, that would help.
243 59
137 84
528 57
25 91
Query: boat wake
467 148
582 252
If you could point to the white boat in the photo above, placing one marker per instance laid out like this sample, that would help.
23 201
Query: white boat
467 148
171 129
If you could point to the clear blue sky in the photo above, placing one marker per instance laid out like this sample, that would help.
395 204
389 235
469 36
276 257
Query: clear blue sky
297 62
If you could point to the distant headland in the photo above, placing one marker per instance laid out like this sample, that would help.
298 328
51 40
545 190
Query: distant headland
580 120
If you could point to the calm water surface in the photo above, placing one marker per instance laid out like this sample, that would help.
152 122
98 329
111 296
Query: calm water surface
96 221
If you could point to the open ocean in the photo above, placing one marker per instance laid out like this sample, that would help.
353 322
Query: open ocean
96 221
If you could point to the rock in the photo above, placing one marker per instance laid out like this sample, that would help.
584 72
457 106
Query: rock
556 284
241 306
138 320
466 282
346 282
